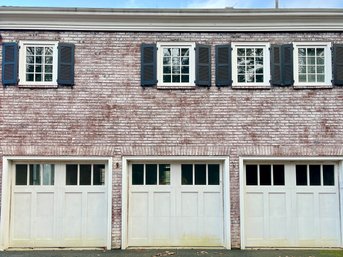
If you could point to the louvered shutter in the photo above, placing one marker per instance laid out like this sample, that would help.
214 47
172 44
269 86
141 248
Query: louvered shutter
338 64
203 65
148 65
281 63
223 66
9 64
287 65
66 64
275 65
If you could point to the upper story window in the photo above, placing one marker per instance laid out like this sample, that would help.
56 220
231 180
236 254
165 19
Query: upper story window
312 64
176 64
250 64
38 63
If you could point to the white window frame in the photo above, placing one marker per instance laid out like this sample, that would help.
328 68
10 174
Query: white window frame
22 62
266 64
327 63
160 47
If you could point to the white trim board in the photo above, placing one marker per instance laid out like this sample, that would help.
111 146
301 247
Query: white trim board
226 190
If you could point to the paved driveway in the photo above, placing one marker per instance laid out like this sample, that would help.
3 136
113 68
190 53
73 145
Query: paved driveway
176 252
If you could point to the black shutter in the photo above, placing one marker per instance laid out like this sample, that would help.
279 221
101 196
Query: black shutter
287 65
148 64
66 64
338 64
9 64
281 65
203 65
275 65
223 66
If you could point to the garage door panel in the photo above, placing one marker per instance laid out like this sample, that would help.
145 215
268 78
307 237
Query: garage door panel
139 217
329 223
278 222
21 224
72 222
212 204
45 215
96 216
305 213
189 204
161 205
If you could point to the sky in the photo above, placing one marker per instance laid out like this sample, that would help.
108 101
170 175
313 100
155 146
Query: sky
176 3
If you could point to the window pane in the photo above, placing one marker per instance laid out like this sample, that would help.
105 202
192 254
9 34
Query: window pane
187 174
164 174
251 175
29 77
39 50
265 175
85 174
166 61
167 78
48 174
151 174
99 174
185 78
200 174
279 175
329 175
301 175
71 174
48 77
213 174
176 78
137 174
315 175
35 174
21 174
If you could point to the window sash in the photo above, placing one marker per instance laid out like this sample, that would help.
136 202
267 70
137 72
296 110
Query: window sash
312 64
38 63
176 64
251 64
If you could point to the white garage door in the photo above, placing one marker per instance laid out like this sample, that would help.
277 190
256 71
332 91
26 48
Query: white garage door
291 205
175 205
59 205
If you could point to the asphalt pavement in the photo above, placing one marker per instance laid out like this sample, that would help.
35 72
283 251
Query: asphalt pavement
172 253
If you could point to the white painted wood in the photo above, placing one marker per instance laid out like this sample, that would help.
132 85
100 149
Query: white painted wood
59 215
291 215
126 160
175 214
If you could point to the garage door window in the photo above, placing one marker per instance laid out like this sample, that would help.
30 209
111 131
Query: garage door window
200 174
85 174
35 174
315 175
150 174
265 175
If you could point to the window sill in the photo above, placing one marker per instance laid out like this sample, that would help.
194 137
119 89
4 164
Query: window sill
251 86
326 86
176 87
37 86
